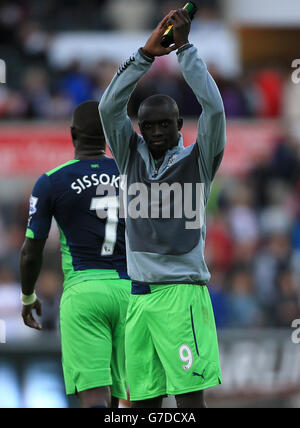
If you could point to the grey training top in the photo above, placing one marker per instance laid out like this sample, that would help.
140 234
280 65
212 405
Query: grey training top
165 221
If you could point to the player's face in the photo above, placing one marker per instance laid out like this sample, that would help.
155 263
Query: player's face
160 128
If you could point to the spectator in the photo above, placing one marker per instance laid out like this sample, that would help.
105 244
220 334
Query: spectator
219 297
287 306
219 244
76 84
243 310
36 92
269 83
274 257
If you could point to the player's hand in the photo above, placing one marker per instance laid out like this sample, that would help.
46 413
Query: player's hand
181 27
27 316
153 47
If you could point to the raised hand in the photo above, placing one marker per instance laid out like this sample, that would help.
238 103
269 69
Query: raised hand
153 47
181 28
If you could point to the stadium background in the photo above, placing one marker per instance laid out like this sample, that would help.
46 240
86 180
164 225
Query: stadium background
60 53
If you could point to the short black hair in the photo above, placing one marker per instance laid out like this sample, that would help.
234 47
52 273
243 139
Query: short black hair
158 100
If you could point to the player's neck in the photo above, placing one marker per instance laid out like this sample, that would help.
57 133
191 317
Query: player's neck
85 155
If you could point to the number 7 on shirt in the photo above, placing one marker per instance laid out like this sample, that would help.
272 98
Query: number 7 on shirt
107 208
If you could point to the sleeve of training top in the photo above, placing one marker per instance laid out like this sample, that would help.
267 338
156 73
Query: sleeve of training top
113 107
40 209
211 136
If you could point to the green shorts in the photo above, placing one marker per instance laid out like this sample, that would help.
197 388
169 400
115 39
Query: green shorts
92 323
171 342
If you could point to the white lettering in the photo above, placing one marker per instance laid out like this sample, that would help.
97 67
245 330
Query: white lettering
87 181
186 356
2 71
164 190
95 179
75 187
296 333
199 212
123 418
138 206
296 73
104 179
115 181
2 331
80 183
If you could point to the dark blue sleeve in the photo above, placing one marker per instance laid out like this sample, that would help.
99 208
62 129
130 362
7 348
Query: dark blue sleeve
40 210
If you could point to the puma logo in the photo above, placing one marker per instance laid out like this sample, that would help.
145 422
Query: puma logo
200 375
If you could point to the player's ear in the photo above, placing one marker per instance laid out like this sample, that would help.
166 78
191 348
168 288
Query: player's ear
180 123
74 135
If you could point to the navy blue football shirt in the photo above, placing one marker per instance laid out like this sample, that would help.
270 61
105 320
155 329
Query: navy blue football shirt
83 197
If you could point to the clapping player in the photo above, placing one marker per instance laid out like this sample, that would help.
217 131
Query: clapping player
171 340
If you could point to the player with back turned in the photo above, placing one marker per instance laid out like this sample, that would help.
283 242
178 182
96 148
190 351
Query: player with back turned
82 196
170 341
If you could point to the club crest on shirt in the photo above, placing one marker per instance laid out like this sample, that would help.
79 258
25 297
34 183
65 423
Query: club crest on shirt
171 160
32 205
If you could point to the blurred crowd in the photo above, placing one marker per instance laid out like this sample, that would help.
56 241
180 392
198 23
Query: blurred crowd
36 89
253 224
253 244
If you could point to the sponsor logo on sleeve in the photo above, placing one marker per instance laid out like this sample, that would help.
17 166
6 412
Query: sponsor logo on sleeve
125 65
32 205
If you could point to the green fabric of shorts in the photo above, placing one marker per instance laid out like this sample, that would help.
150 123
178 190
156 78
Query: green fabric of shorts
92 323
171 342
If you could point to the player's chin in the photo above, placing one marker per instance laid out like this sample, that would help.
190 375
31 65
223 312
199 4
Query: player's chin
158 149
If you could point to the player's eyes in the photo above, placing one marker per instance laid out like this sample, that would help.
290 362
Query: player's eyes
148 125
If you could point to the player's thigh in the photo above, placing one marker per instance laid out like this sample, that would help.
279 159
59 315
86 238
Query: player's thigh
145 373
184 334
86 332
121 295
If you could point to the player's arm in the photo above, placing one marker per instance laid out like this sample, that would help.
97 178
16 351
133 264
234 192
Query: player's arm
113 105
31 255
211 126
31 258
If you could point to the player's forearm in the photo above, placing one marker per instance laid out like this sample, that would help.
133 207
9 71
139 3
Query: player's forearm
113 104
201 82
30 267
